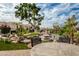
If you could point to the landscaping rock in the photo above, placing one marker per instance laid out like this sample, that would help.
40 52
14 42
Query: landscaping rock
14 41
26 41
29 45
0 36
55 37
14 38
64 39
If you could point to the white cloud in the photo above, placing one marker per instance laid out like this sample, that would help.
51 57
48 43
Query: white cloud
7 12
51 12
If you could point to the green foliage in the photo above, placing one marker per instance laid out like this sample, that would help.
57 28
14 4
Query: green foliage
68 29
5 29
76 35
22 31
32 34
57 29
30 13
6 41
12 46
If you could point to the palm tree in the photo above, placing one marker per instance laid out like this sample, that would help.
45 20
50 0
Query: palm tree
76 35
70 28
56 28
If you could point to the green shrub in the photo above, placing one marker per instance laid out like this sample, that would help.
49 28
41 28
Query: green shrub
22 31
32 34
5 29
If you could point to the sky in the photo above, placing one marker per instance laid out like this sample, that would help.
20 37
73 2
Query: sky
53 12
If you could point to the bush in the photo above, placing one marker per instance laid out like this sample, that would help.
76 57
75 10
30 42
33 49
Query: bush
76 35
5 29
32 34
21 31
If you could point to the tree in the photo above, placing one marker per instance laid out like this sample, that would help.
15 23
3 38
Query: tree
70 28
30 13
56 28
76 35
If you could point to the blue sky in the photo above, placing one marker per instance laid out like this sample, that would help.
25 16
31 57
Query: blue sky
53 12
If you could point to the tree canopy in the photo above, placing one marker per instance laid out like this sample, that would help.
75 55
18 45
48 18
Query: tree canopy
69 29
30 13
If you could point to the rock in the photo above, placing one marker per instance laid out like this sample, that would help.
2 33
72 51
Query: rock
14 38
55 37
47 37
29 45
64 39
26 41
4 37
42 37
14 41
55 49
0 36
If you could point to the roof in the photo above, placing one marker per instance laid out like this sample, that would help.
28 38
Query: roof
13 25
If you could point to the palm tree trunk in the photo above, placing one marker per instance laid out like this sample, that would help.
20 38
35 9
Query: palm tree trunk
72 38
71 41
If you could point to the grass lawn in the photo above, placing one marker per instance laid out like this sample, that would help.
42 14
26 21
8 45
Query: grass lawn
12 46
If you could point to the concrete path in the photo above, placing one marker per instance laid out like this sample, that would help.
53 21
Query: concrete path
15 53
55 49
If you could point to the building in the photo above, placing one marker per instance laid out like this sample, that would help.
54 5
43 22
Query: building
14 25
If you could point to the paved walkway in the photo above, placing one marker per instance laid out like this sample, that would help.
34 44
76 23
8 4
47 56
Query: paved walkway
15 53
55 49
